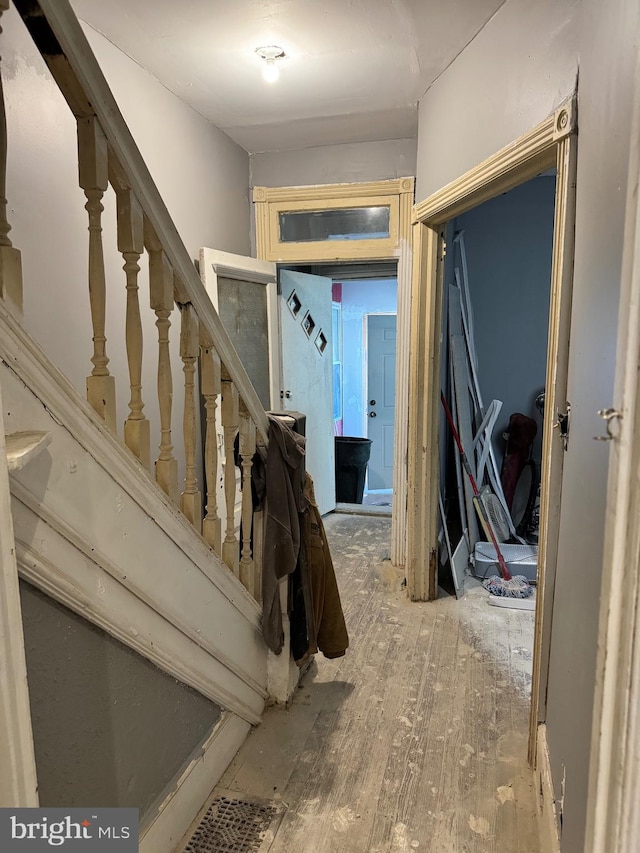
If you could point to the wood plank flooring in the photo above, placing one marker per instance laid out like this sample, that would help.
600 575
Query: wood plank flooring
416 739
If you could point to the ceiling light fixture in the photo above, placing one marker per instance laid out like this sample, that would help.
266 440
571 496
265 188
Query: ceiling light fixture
271 54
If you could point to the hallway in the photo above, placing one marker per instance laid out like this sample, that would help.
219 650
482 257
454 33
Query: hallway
416 740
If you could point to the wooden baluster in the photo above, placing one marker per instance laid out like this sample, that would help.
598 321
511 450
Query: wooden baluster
93 175
161 292
131 246
191 499
230 423
10 261
258 554
211 387
247 450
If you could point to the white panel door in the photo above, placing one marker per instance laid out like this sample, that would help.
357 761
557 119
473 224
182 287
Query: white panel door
307 383
381 396
260 356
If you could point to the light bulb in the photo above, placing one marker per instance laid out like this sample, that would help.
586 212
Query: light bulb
270 72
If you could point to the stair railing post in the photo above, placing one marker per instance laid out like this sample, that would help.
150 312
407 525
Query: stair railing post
161 300
230 424
247 451
190 499
211 385
131 246
93 173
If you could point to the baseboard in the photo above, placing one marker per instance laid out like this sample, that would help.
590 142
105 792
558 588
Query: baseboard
545 796
177 811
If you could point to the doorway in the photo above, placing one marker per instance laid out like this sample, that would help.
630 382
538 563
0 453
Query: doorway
352 395
380 393
495 320
552 144
355 224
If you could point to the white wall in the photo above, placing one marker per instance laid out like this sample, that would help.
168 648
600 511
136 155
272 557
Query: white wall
608 47
360 298
512 76
202 174
330 164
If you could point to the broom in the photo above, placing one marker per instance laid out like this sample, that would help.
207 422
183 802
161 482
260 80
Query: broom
506 586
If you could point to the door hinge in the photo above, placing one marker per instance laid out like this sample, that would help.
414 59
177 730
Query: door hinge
562 424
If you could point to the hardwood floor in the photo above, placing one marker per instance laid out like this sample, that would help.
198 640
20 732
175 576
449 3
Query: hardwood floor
416 739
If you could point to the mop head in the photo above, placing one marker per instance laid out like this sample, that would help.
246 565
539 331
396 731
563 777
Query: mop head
517 587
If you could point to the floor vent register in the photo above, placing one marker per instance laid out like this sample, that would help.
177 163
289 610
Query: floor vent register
231 824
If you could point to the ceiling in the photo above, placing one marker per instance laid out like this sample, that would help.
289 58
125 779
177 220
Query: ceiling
354 72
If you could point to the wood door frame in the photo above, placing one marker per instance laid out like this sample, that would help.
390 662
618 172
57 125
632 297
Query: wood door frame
552 143
270 200
215 264
613 819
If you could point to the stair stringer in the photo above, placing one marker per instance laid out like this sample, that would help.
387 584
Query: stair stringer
95 532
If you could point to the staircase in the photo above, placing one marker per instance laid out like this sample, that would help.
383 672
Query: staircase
146 549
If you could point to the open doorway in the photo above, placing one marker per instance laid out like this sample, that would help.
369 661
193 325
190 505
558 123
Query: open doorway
356 224
355 404
495 321
550 145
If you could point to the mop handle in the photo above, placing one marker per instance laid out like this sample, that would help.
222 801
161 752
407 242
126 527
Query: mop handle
504 571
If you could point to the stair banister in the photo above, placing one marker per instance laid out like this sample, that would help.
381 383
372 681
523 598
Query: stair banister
59 37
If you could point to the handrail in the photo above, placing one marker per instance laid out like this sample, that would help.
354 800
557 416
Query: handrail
109 157
58 35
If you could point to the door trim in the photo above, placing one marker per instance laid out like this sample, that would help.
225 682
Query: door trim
550 144
322 196
215 264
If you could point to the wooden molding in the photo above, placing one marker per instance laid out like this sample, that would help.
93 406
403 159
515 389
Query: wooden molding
399 510
423 448
531 154
18 782
215 264
239 267
555 400
327 192
270 202
547 817
177 812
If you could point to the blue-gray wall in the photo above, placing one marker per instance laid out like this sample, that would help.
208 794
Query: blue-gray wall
509 243
360 298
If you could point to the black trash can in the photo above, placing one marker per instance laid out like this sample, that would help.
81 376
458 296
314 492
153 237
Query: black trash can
352 455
